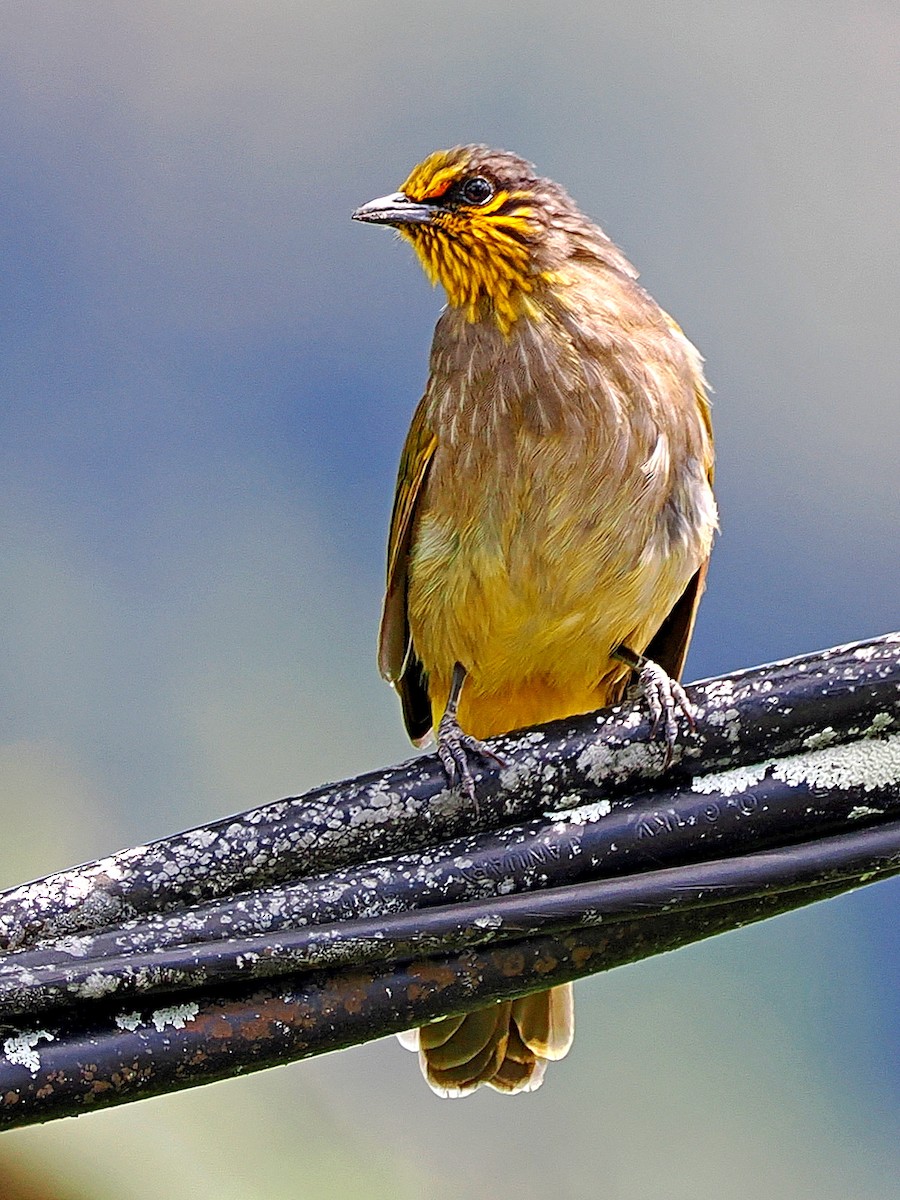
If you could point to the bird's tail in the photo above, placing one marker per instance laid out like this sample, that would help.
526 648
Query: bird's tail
507 1045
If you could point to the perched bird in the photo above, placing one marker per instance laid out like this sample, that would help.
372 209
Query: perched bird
554 510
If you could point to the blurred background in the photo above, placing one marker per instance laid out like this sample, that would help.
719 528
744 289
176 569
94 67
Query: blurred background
207 373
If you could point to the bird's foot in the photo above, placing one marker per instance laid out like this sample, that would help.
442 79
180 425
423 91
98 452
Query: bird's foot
456 748
665 698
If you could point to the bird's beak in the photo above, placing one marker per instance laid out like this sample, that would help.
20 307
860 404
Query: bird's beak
396 209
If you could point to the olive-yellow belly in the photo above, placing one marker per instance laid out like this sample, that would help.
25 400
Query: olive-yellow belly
530 579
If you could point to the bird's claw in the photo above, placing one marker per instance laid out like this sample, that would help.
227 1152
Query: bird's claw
455 748
664 697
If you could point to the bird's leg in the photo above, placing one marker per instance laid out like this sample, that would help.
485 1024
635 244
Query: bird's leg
663 694
453 745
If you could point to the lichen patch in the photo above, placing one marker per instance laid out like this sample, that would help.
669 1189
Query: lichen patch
22 1049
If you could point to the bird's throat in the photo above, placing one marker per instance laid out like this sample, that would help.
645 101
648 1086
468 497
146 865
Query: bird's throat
485 276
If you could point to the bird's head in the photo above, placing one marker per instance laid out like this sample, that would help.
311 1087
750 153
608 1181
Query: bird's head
485 227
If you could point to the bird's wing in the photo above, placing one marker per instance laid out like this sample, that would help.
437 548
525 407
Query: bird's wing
669 645
397 660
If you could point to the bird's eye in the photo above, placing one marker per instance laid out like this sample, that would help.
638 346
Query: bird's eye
476 190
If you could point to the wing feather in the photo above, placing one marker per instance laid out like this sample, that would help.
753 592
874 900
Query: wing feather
397 660
670 643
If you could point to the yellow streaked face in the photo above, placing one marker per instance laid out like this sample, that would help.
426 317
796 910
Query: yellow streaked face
473 233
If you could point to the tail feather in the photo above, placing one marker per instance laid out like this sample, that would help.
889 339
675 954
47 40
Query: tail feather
513 1077
409 1040
480 1031
461 1080
438 1032
506 1045
546 1021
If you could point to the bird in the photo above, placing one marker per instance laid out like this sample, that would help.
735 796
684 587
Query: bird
553 516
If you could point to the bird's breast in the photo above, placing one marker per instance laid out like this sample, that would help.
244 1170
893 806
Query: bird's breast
538 560
567 507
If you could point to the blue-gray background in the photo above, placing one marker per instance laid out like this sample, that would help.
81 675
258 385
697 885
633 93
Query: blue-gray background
207 372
